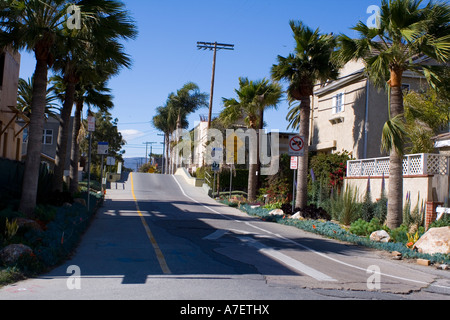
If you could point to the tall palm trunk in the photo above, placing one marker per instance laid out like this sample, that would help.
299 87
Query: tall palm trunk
395 204
302 180
75 149
63 137
33 161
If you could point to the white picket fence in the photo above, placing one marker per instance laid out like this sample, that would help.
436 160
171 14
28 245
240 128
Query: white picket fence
413 165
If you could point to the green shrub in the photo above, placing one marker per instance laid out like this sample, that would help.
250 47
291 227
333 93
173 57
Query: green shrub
381 206
363 228
368 207
345 207
45 213
444 222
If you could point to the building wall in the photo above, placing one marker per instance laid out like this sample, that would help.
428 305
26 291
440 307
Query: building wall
358 128
50 141
11 139
420 188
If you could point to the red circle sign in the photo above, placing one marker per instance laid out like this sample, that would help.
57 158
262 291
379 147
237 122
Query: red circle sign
296 144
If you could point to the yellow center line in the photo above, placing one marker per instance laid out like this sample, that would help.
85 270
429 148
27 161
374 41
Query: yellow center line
158 252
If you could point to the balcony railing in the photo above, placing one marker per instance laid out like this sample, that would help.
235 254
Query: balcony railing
413 165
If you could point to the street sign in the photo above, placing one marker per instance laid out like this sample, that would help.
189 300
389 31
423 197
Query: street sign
103 148
215 167
296 146
294 163
91 124
217 154
110 161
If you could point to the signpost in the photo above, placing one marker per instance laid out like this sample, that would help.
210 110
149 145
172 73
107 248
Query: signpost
294 166
91 124
215 168
103 150
91 128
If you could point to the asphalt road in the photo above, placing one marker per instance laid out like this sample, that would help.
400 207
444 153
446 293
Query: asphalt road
158 238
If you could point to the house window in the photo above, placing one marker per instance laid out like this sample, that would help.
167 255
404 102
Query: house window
47 138
25 135
338 103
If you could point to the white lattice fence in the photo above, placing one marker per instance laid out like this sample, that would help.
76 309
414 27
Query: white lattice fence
413 165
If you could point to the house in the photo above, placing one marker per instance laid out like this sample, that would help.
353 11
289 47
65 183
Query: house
49 142
10 132
348 114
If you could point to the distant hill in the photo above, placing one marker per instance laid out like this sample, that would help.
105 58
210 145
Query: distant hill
133 163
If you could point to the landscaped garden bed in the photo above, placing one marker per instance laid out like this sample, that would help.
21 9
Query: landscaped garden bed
31 246
334 230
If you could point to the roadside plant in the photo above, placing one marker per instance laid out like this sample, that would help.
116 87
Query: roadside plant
345 206
11 229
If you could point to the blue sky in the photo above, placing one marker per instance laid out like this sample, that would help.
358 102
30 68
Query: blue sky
165 54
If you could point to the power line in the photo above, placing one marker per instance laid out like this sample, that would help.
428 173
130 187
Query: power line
146 149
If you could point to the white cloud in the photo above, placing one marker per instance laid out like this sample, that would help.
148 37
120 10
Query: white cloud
131 134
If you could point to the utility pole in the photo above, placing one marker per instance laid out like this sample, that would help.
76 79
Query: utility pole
146 150
164 154
214 47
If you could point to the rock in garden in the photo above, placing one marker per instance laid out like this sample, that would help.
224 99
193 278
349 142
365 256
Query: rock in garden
297 216
28 223
436 240
397 255
80 202
277 212
380 236
12 253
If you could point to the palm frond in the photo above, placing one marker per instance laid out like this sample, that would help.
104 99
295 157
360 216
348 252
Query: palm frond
393 135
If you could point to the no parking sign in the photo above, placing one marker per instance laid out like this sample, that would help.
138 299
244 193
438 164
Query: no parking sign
296 146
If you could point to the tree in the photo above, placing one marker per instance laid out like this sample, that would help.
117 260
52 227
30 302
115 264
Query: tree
35 26
426 114
93 94
39 26
173 116
253 98
165 120
105 131
186 101
309 64
407 32
78 57
25 98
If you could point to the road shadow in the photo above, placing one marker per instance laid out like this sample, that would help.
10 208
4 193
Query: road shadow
117 244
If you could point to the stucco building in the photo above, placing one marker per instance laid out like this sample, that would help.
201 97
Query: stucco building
10 132
348 114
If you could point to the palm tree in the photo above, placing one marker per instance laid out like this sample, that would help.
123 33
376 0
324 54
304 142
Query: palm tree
186 101
35 26
254 97
165 120
310 63
407 32
39 26
78 58
25 98
92 94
